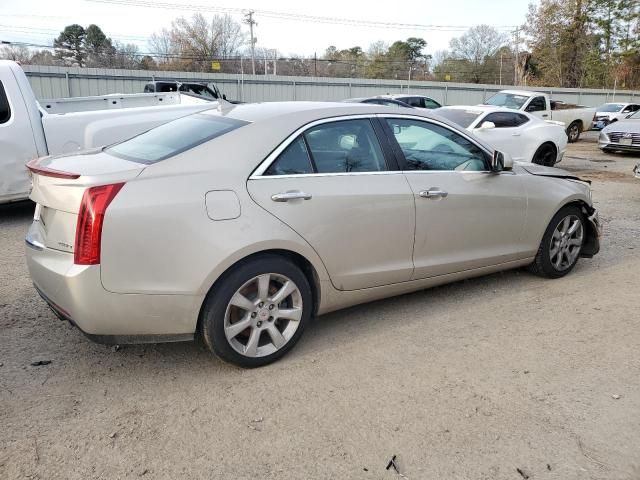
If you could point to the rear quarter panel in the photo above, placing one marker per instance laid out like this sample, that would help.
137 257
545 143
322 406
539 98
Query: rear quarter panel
158 237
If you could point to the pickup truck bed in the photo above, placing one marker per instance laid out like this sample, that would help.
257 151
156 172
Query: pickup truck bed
29 129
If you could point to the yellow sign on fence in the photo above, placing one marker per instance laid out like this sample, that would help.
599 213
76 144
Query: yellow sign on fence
215 65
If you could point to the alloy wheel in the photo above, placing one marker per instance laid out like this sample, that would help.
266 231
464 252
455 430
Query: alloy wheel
566 242
263 315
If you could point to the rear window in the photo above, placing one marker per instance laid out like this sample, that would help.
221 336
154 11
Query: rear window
5 110
464 118
173 138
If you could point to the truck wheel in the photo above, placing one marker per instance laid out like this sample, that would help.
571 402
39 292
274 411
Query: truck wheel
573 132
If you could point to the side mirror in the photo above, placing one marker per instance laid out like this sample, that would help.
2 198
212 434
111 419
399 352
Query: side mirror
501 161
487 126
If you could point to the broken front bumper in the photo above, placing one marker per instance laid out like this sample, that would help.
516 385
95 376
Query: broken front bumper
594 232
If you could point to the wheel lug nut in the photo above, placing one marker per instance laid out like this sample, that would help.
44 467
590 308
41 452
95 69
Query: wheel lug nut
261 304
271 319
259 323
271 307
253 314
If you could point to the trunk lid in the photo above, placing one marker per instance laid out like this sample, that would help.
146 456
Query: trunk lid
59 183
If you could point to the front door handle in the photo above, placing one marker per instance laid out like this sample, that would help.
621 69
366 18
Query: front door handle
433 193
290 195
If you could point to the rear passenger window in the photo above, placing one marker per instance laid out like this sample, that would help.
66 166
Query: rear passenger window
5 110
294 160
345 146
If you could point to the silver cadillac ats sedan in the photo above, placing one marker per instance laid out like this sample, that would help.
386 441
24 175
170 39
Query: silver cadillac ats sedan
243 222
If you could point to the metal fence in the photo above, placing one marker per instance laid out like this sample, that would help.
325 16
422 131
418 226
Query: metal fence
54 82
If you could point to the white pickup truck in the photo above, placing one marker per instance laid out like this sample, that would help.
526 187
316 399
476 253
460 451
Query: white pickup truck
576 118
29 129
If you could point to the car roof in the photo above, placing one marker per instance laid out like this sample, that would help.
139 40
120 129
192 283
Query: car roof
526 93
479 108
395 96
305 111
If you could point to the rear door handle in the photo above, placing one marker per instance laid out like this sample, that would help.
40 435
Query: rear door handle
433 193
545 115
290 195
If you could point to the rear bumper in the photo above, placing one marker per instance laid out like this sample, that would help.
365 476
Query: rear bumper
75 293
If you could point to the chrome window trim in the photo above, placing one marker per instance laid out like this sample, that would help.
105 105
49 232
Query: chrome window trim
258 173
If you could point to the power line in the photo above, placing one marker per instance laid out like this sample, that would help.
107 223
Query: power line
292 16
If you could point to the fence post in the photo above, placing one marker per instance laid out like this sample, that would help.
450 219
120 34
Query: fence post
446 93
350 94
294 89
66 76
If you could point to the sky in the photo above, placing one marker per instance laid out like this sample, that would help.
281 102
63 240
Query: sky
39 21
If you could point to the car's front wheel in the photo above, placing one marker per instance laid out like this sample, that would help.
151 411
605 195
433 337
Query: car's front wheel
561 244
257 312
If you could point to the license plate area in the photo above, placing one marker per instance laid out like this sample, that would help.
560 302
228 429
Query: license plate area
626 141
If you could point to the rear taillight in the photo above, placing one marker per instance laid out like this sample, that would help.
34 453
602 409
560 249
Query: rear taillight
89 227
34 167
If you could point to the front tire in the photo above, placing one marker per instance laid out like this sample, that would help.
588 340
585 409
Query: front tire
561 244
257 312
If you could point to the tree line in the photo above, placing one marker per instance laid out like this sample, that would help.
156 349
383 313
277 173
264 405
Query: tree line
564 43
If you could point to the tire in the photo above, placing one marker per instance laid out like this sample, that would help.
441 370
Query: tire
546 263
258 344
545 155
573 132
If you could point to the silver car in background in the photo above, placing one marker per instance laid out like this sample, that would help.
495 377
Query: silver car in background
622 136
243 222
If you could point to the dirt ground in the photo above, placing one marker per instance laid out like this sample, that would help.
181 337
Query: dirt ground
502 377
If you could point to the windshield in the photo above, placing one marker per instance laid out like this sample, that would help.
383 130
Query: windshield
173 138
464 118
610 107
508 100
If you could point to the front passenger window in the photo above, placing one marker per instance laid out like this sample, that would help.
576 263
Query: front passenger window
427 146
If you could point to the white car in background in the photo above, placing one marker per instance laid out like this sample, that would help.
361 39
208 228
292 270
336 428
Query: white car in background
525 137
612 112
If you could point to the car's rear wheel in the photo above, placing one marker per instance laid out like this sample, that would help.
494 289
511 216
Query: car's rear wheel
573 132
545 155
257 312
561 244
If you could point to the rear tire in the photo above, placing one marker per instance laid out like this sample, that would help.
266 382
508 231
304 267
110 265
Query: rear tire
561 244
268 295
573 132
545 155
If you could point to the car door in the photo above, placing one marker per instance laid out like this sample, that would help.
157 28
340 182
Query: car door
508 135
333 184
17 142
466 216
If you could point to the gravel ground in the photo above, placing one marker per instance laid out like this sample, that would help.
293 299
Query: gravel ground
503 377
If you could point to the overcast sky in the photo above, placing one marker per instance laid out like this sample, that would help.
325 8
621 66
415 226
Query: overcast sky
39 21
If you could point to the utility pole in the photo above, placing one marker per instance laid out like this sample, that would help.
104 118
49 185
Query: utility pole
516 79
251 22
315 64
